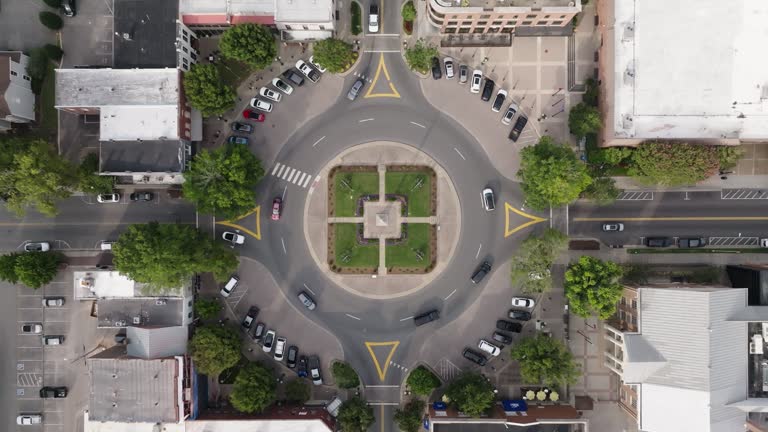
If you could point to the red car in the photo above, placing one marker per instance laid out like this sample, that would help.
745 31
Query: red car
253 115
277 208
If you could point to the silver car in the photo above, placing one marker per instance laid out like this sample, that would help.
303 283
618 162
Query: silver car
355 90
307 301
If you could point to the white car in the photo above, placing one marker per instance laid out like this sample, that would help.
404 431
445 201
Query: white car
373 19
307 70
510 114
226 291
280 348
523 302
316 65
489 200
477 78
29 419
37 247
53 340
613 226
261 105
270 94
233 238
282 86
449 72
32 328
488 347
498 102
269 341
108 198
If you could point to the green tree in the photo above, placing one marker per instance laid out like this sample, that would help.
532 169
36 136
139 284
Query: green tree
592 286
545 360
8 268
252 44
215 348
729 156
168 255
254 389
53 52
551 175
409 11
334 54
471 393
206 91
616 155
89 179
419 56
602 191
297 390
33 269
584 119
422 381
591 95
37 68
51 20
409 418
355 415
531 266
673 163
207 308
221 181
344 375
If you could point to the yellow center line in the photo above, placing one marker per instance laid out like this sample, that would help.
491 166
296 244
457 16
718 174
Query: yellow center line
675 219
381 417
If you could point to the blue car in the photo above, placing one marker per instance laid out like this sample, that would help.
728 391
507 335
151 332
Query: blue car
302 369
237 140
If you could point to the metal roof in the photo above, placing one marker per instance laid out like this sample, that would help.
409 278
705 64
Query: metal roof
157 342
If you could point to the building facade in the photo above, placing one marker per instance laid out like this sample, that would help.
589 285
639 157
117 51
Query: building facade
17 101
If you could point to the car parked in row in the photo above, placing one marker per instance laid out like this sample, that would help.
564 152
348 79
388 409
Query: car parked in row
280 348
449 71
250 317
269 341
487 90
523 302
68 8
253 115
501 96
292 357
141 196
258 332
502 338
691 242
509 114
308 71
230 286
108 198
463 74
519 315
261 105
517 129
294 77
29 419
474 356
477 78
37 247
301 369
32 328
53 301
242 127
270 94
437 72
659 242
316 65
509 326
234 139
314 370
53 340
489 348
282 86
53 392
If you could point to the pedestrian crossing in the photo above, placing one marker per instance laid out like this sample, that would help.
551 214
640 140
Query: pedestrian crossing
359 75
292 175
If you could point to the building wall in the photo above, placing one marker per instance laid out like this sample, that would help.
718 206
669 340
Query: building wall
478 20
20 89
186 41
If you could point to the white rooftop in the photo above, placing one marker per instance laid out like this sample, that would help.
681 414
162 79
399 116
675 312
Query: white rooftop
304 11
308 425
103 284
110 87
696 69
132 123
234 7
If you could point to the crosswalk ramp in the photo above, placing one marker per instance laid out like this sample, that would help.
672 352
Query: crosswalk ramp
292 175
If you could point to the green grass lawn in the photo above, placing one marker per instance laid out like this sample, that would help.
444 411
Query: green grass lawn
402 255
233 72
401 183
49 115
362 183
346 242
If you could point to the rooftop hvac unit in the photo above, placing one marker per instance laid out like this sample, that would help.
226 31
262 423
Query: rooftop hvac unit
756 345
137 320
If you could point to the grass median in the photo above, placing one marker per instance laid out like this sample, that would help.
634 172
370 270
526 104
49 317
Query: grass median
349 253
349 187
414 252
418 198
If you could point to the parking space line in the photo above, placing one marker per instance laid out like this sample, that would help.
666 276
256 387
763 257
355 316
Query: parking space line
353 317
405 319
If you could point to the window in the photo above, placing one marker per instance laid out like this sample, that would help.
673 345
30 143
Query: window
531 16
634 304
562 16
185 61
185 50
468 17
527 22
464 30
484 16
450 30
478 30
466 23
623 301
27 78
633 319
306 27
194 56
184 32
453 23
507 30
189 315
546 16
186 39
13 73
541 23
322 27
557 22
288 27
482 23
454 16
498 23
512 23
622 315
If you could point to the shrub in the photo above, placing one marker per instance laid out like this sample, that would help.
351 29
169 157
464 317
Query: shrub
51 20
345 376
357 26
53 52
409 11
422 381
53 3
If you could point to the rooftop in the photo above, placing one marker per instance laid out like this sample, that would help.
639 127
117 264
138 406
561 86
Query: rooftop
131 123
140 311
117 87
304 11
164 156
157 342
145 33
102 284
236 7
524 5
273 425
665 82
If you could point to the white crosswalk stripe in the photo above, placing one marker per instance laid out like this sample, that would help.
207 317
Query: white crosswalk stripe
296 179
279 173
275 169
287 173
291 175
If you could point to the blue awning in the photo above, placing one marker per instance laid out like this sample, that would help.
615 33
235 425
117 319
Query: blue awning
514 405
440 406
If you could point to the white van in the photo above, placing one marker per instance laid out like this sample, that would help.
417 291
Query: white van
106 245
230 286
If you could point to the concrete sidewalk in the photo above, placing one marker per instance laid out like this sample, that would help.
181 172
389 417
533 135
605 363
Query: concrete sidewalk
714 183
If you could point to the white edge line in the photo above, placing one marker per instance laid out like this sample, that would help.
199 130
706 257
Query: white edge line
405 319
382 386
457 151
353 317
308 289
318 141
283 242
364 120
384 403
419 125
449 295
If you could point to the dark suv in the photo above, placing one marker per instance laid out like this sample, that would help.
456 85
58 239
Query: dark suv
474 356
426 317
509 326
293 76
487 90
481 272
519 315
437 71
518 128
658 242
691 242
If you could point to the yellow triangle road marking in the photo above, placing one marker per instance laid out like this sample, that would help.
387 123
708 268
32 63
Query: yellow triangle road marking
382 68
370 345
231 223
508 231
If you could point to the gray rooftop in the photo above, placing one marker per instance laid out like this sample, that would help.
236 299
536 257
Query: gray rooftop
157 342
304 11
141 156
126 312
151 29
113 87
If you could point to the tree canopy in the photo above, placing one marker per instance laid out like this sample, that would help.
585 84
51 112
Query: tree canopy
409 418
471 393
168 255
297 390
551 175
584 119
89 179
602 191
207 308
206 91
344 375
334 54
544 360
254 389
422 381
673 163
33 269
222 181
419 56
215 348
355 415
409 11
592 286
531 266
252 44
51 20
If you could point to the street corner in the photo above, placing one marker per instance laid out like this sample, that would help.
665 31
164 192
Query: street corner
516 220
381 354
382 85
249 223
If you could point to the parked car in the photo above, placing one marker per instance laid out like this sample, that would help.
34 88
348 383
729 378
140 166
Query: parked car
230 286
691 242
613 226
301 370
277 208
232 237
316 65
53 301
463 74
373 19
355 90
250 317
258 332
108 198
449 71
32 328
314 370
293 354
487 90
502 338
477 78
53 392
37 247
523 302
242 127
270 94
488 347
489 201
764 242
501 96
658 242
509 114
307 70
481 272
519 315
437 72
253 115
426 317
509 326
53 340
307 301
517 129
106 245
474 356
282 86
29 419
294 77
142 196
68 8
261 105
280 348
269 340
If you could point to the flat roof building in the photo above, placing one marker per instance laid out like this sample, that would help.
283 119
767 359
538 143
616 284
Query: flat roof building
17 101
145 32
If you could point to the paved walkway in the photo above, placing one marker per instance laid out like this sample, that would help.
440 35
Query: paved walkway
714 183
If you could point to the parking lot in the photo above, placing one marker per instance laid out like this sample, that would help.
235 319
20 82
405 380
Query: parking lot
87 38
21 27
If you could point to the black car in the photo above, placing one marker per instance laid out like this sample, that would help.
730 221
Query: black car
518 128
426 317
142 196
437 72
294 77
250 316
474 356
68 8
509 326
258 332
242 127
481 272
487 90
519 315
53 392
293 354
691 242
302 369
658 242
503 338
